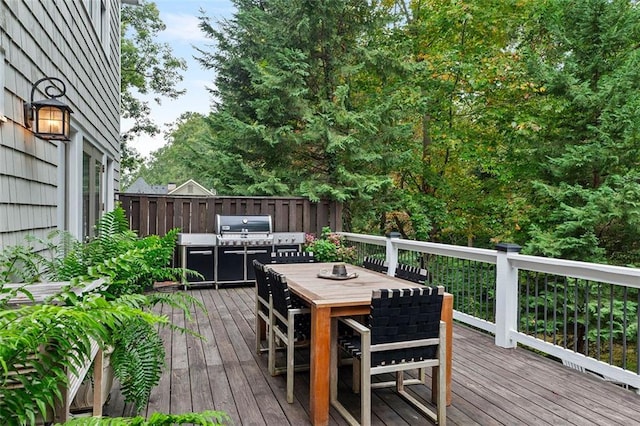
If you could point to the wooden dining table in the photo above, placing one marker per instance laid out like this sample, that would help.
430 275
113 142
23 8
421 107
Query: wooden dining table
331 298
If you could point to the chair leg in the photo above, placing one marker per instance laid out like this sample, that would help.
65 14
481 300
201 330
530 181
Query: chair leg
271 347
258 334
442 377
365 389
400 381
262 333
356 376
290 363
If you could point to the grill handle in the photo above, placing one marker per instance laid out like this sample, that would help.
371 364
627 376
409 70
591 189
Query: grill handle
203 252
257 251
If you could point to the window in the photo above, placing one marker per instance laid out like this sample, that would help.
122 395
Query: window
98 11
92 189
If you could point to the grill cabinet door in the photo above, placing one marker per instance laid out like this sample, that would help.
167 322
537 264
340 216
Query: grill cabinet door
201 259
230 264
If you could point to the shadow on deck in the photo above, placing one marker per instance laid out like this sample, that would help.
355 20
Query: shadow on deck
491 385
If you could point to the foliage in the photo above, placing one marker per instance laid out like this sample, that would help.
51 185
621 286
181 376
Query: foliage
288 120
147 67
186 155
578 313
130 265
137 353
205 418
46 339
17 265
330 247
588 189
479 122
133 264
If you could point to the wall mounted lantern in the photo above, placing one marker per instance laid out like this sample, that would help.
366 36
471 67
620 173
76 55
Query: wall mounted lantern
49 117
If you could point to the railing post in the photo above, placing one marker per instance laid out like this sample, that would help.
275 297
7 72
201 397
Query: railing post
392 253
506 296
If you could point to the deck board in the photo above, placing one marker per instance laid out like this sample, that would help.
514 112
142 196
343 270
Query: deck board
491 385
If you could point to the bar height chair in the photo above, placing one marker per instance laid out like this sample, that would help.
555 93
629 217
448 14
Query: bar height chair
290 324
404 333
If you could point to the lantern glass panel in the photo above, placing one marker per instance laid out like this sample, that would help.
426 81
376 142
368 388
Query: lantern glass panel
50 120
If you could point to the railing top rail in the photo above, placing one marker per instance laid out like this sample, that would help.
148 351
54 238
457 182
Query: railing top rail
620 275
366 239
461 252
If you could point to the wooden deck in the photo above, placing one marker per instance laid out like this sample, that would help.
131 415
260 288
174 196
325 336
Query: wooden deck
491 386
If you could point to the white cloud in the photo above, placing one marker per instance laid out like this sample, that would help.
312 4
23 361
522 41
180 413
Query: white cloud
181 27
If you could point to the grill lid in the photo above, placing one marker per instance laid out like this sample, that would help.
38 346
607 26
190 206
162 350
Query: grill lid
229 224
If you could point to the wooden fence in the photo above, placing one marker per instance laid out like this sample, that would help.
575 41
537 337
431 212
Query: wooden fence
156 214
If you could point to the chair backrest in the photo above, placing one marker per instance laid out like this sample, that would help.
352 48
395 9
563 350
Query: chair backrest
375 264
412 273
262 280
399 315
292 257
279 292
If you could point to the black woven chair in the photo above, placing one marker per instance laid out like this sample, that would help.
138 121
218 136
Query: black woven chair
263 311
290 324
292 257
375 264
412 273
404 333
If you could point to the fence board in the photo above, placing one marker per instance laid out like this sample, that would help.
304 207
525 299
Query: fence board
156 214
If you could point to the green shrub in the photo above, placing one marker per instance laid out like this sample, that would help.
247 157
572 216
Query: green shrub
330 247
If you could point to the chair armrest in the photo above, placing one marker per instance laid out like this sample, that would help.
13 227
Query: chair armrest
298 311
355 325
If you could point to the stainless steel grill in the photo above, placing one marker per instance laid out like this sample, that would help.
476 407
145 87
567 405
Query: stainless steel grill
226 257
244 230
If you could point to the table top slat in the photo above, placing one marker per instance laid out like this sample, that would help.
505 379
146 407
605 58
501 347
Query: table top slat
303 280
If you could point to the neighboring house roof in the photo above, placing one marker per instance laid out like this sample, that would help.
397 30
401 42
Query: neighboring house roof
140 186
192 188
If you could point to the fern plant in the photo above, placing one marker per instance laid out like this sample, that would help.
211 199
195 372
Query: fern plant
137 359
131 266
41 342
205 418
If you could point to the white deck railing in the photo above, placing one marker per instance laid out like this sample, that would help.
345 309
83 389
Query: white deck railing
507 284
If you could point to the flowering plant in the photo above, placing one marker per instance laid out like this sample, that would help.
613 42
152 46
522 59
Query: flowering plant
329 247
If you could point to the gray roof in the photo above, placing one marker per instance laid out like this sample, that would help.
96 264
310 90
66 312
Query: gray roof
142 187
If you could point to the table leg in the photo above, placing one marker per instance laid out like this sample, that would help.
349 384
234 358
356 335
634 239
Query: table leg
320 365
446 316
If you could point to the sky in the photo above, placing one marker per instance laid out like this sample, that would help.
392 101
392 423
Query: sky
182 33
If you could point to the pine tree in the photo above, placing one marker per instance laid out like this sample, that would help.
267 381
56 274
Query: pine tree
589 196
289 119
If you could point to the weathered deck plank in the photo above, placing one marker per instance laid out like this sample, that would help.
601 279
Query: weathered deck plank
491 386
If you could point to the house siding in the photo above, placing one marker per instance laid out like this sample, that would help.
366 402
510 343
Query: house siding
41 181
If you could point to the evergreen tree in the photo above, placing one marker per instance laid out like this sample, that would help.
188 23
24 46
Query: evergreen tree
586 55
289 119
